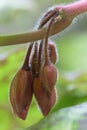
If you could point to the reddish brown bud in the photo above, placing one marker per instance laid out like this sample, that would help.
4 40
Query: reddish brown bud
49 76
21 92
44 99
52 52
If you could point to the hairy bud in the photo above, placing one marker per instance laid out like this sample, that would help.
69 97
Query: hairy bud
52 52
21 92
44 99
49 77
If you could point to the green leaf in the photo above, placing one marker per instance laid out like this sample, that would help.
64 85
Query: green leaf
72 118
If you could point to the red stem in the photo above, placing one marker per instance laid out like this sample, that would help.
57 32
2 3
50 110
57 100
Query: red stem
26 60
46 38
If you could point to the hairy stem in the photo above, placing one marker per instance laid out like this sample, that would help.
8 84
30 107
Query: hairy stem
47 17
69 12
27 57
46 38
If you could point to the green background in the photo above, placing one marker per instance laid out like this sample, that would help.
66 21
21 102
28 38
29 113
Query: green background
72 68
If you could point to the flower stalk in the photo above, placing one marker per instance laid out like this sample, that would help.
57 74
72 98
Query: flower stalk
67 11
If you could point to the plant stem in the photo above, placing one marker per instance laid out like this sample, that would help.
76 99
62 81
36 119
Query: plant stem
31 36
47 17
69 12
46 39
27 57
75 8
40 56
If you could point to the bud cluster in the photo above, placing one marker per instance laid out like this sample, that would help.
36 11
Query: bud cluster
38 75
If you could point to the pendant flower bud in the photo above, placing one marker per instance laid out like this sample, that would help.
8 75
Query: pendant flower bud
49 77
21 92
44 99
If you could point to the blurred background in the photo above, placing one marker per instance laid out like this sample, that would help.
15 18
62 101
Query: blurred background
18 16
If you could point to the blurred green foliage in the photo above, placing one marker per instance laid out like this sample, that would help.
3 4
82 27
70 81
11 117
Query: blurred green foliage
72 66
72 118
